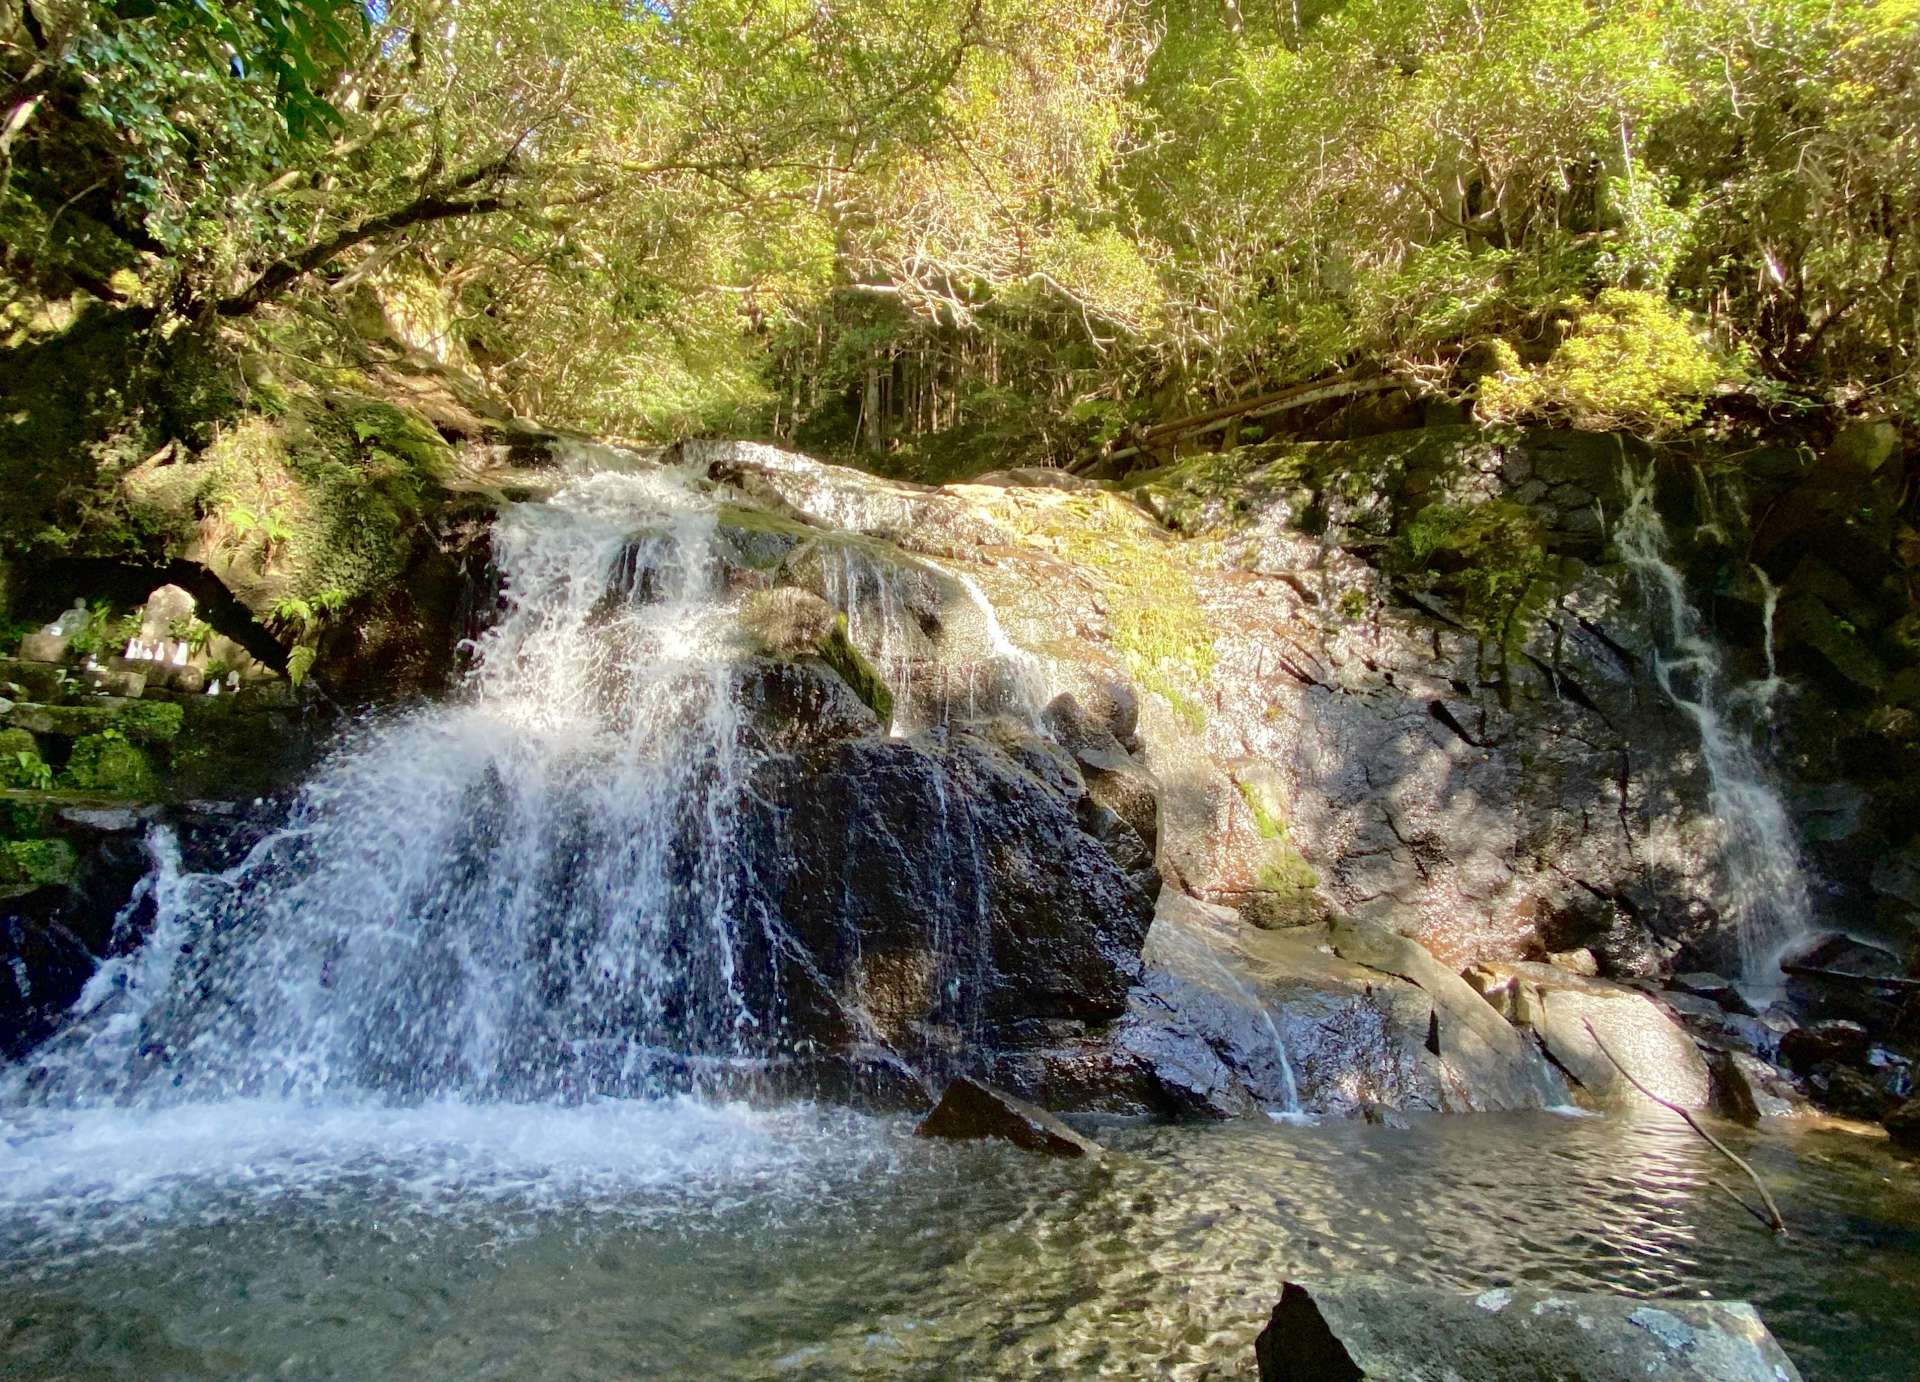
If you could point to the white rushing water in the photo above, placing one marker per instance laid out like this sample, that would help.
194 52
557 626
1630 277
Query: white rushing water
528 936
521 894
1759 851
494 950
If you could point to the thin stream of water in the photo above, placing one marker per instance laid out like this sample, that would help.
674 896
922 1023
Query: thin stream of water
1765 885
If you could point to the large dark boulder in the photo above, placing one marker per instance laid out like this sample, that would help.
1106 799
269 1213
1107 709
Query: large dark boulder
938 896
970 1109
1359 1329
1829 1043
1903 1125
43 967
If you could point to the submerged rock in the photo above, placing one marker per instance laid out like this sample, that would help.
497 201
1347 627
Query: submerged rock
1358 1329
969 1109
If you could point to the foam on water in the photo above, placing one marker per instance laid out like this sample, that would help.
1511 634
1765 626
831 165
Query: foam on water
80 1178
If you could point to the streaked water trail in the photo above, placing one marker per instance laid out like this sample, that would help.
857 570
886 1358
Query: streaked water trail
1759 851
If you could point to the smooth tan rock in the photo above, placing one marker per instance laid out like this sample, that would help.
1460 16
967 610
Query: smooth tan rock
1559 1006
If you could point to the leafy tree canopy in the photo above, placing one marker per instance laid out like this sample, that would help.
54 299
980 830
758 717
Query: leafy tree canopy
950 232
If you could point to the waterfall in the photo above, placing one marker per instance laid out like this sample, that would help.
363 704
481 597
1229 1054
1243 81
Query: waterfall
523 893
957 664
1759 851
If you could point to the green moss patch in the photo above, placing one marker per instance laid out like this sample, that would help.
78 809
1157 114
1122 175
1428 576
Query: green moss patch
1487 558
838 652
20 762
1155 621
311 507
36 862
150 722
109 763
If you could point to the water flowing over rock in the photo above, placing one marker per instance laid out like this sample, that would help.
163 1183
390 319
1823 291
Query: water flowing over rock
1327 1019
645 848
774 775
1759 855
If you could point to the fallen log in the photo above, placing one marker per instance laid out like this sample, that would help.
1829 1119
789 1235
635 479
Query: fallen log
1342 385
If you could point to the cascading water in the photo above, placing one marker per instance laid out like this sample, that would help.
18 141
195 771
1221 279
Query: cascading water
1759 851
524 894
973 671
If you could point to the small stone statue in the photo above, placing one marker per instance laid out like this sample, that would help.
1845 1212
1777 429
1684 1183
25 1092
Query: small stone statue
69 623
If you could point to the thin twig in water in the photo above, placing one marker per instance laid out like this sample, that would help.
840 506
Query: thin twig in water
1743 1202
1772 1217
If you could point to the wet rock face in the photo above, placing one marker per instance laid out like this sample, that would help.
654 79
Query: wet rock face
1358 740
938 896
1587 1025
1338 1019
43 967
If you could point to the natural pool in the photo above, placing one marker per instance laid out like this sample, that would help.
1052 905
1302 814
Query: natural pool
619 1240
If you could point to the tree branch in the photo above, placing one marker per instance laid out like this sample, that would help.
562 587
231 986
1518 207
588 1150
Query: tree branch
442 204
1772 1217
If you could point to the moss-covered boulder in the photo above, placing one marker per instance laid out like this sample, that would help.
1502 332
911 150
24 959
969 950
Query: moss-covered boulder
792 623
20 762
36 862
66 721
838 652
111 763
150 721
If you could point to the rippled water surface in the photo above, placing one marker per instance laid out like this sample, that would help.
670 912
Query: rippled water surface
675 1240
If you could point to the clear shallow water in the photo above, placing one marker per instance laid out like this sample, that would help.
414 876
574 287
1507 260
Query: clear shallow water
677 1240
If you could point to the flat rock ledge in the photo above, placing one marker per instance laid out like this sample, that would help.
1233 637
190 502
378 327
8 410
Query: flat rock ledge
970 1109
1357 1329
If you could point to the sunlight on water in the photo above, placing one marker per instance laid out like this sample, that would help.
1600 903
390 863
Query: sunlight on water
679 1240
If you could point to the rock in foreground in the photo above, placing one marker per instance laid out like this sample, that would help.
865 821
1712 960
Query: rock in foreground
970 1109
1387 1330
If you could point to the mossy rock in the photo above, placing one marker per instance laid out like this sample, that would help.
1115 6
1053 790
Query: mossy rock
401 433
1284 885
1155 621
838 652
756 539
150 722
36 862
66 721
20 762
1805 621
248 745
1488 558
109 763
41 681
791 623
14 741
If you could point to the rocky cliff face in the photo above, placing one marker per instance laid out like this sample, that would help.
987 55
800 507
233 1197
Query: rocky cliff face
1359 714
